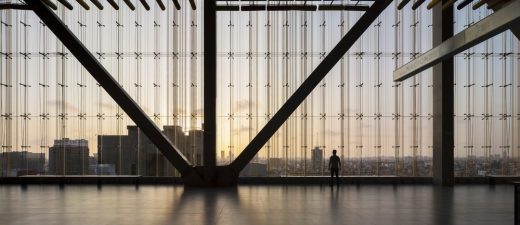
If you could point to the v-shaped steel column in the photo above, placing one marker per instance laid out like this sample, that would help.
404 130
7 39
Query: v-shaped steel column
309 84
111 86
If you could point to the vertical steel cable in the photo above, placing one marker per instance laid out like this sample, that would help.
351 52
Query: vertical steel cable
193 83
304 113
323 115
119 114
377 86
137 84
342 95
285 86
156 83
396 116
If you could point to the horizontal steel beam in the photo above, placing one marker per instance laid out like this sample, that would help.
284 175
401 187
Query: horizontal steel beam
14 6
497 5
111 86
294 0
294 7
227 8
349 7
309 84
496 23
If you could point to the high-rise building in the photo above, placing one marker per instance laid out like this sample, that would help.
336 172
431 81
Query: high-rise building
316 159
194 146
19 163
69 157
135 154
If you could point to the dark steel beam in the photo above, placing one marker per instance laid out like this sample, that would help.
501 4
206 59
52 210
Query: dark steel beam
279 7
111 86
193 6
308 85
161 5
14 6
433 3
479 4
97 4
443 101
503 19
279 0
417 4
291 7
50 4
497 5
447 4
145 5
66 4
253 7
402 4
129 4
322 7
83 4
464 4
227 8
113 4
349 7
177 5
210 84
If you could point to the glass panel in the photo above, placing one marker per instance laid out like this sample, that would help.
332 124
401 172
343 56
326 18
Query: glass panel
51 105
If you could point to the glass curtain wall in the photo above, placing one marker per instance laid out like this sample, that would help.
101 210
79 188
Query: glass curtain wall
56 120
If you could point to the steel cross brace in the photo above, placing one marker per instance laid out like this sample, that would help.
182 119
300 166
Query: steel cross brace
508 17
225 175
309 84
111 86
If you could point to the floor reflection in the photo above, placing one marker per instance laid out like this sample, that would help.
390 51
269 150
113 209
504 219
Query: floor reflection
256 204
442 210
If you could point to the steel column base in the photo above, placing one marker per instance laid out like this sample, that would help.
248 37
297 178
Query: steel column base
209 176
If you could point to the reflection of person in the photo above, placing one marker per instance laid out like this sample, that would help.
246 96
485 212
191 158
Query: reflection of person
334 167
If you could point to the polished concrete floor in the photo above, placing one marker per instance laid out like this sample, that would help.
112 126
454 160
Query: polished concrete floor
255 204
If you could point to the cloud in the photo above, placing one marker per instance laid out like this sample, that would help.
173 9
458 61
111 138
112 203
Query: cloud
107 106
58 104
241 129
333 132
243 105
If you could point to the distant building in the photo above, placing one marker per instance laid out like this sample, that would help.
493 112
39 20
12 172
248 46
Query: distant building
194 146
316 159
103 169
135 154
254 170
20 163
276 164
69 157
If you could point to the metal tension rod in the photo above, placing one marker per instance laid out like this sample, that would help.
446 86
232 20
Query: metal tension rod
486 28
111 86
309 84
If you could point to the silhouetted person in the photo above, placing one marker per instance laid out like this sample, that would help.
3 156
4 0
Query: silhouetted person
334 167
